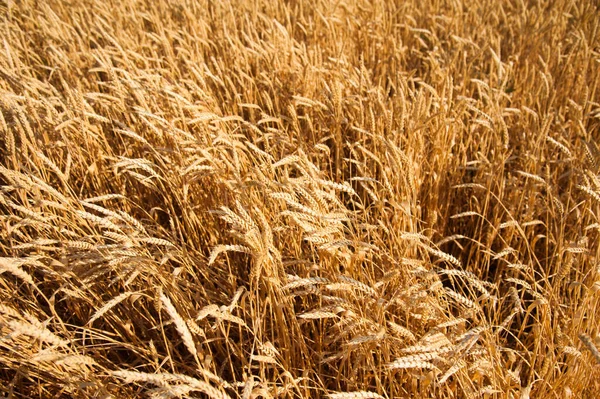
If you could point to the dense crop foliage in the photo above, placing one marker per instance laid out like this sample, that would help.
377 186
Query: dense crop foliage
263 199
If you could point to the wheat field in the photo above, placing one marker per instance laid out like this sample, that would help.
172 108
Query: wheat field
343 199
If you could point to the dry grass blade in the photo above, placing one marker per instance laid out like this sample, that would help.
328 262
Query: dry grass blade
587 341
180 324
410 363
161 378
12 266
354 395
109 305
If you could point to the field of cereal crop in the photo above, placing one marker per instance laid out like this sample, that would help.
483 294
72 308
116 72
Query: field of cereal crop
343 199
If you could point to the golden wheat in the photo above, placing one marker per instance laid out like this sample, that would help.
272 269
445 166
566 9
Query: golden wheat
355 199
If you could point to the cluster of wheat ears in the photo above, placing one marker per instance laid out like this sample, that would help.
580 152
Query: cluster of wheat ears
277 199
